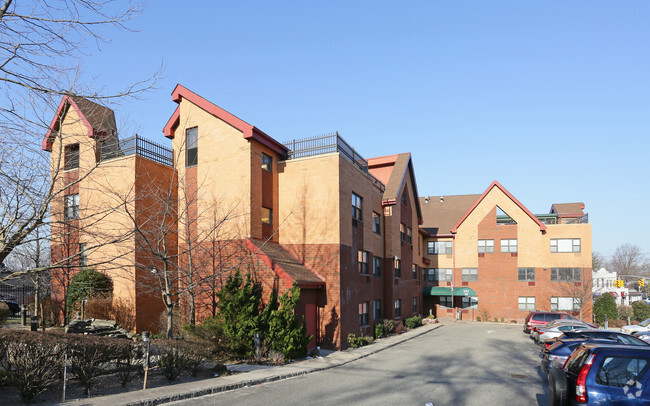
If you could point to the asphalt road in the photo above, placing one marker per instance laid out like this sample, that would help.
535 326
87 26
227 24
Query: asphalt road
462 364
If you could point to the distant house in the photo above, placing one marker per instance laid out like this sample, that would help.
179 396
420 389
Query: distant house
604 283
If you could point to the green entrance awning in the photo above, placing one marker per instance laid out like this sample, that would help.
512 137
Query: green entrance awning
446 291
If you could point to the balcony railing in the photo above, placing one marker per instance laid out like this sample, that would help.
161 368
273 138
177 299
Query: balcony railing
326 144
114 148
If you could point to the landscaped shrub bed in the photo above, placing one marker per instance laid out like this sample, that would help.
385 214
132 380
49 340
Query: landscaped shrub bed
33 362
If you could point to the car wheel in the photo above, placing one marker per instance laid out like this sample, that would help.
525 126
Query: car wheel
557 388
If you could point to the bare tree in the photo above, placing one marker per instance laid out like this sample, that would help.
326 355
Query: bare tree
40 45
597 261
628 260
33 256
172 246
581 292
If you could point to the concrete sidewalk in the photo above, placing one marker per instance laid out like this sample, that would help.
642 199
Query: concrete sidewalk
166 394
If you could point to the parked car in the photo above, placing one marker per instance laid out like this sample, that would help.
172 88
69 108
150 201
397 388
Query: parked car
633 328
554 332
643 335
534 319
598 374
538 330
556 354
14 307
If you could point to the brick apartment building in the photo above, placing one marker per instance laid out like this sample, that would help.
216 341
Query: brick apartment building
490 257
351 232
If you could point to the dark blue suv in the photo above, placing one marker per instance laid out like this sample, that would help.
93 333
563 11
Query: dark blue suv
602 375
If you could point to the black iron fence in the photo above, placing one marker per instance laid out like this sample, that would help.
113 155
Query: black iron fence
137 145
326 144
18 294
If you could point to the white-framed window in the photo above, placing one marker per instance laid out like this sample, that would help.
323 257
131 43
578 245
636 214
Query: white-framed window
509 245
469 302
485 246
415 271
402 231
376 266
446 301
376 223
565 303
83 255
565 245
192 146
357 207
364 315
469 274
527 303
363 262
376 306
409 235
267 162
526 274
71 209
439 247
566 275
398 308
440 274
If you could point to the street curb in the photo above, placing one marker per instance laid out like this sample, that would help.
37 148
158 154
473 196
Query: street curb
151 398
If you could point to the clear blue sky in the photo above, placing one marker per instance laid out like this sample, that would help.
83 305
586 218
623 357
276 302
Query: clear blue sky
551 98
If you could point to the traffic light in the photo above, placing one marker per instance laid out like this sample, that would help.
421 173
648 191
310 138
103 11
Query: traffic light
641 282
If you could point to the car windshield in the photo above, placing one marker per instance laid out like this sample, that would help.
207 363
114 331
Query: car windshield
645 323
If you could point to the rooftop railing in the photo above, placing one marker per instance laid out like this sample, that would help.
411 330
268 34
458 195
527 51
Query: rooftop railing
326 144
114 148
548 219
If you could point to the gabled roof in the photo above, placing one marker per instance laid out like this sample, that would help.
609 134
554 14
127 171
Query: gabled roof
568 209
250 132
284 264
99 120
441 213
496 184
398 166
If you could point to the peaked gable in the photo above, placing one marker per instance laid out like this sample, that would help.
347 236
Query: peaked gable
98 120
249 131
392 170
497 185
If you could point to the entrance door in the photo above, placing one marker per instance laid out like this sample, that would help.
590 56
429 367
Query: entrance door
310 321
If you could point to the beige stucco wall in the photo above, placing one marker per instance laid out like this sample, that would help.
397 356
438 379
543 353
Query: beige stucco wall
537 250
308 203
223 170
105 192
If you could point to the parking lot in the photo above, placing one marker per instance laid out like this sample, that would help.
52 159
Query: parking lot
457 364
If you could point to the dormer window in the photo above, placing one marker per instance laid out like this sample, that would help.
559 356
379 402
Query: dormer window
71 157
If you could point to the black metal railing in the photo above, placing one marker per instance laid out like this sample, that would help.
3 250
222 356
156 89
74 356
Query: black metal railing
580 220
20 294
137 145
325 144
